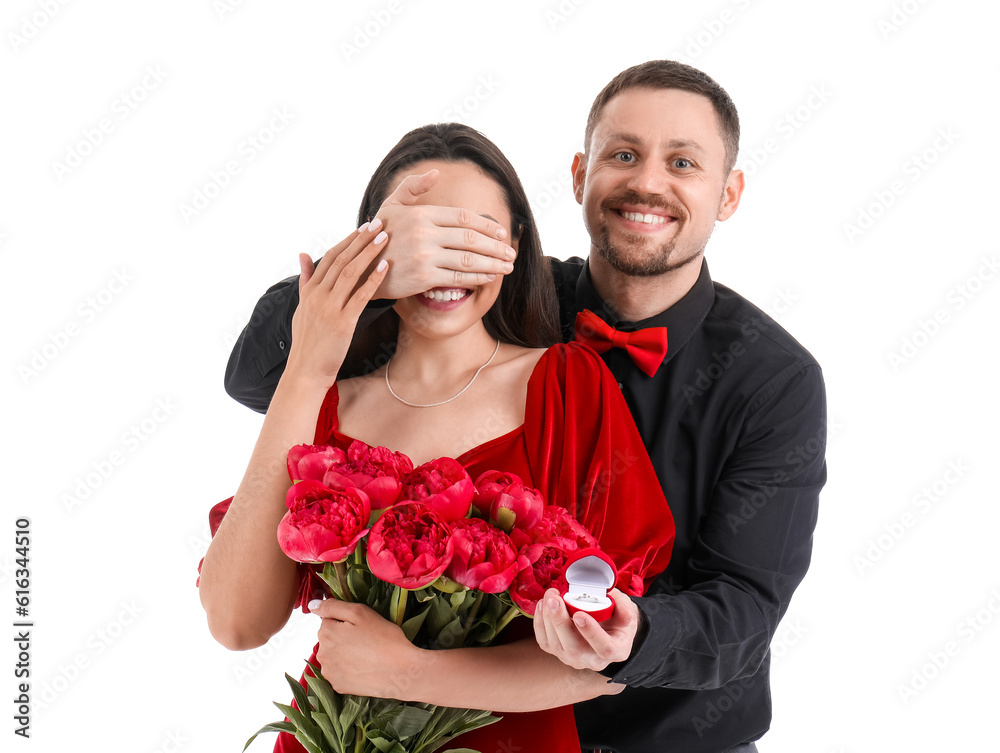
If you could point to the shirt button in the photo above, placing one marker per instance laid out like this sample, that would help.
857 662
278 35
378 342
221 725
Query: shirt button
281 344
620 386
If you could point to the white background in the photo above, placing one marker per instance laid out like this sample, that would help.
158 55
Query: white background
837 101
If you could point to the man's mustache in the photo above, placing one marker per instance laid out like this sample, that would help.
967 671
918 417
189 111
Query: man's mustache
654 202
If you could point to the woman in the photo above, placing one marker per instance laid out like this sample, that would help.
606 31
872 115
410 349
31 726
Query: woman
471 376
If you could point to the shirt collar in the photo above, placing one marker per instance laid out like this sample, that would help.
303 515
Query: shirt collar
681 320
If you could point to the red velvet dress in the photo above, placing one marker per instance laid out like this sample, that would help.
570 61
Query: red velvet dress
579 447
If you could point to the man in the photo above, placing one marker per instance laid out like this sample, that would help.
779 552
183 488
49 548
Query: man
733 416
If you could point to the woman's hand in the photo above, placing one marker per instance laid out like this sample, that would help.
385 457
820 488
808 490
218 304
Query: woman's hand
363 653
331 298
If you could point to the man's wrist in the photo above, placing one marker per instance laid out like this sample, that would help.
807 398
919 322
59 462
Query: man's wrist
642 630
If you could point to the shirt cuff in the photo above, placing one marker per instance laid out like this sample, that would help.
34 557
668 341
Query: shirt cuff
657 631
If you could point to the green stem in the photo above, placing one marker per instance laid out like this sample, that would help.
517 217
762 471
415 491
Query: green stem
508 616
471 617
345 589
359 740
397 607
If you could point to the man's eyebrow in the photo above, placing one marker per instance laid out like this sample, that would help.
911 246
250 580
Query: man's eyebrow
628 138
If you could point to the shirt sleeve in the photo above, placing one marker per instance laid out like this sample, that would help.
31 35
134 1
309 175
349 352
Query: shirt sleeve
753 548
586 455
261 351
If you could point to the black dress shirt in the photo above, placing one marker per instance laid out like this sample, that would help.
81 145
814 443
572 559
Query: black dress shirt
734 422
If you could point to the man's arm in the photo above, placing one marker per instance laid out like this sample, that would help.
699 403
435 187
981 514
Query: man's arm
362 653
753 550
428 246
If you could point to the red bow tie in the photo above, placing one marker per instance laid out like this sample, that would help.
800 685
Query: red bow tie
647 347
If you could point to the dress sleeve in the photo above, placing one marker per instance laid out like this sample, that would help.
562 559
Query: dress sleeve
311 586
587 456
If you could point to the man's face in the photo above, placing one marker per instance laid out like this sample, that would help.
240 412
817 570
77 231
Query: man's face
653 181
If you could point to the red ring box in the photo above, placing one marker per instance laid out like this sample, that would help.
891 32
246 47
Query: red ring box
590 574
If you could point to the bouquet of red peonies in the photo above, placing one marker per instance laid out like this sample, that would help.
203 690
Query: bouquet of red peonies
449 560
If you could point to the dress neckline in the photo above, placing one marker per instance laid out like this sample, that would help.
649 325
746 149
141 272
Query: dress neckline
334 397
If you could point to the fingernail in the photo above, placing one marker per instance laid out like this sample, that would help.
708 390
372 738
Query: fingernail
491 277
375 224
507 267
501 233
314 604
362 228
553 604
579 620
381 265
380 238
511 253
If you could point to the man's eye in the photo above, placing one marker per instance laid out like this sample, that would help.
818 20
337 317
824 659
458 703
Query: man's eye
625 157
682 163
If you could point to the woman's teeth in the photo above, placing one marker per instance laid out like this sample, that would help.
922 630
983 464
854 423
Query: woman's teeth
649 219
448 294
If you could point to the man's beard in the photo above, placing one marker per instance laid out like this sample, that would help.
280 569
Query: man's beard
657 262
634 259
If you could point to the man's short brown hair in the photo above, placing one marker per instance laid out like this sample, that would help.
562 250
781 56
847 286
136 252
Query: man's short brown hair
669 74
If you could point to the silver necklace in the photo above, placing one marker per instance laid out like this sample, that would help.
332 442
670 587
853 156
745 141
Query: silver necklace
434 405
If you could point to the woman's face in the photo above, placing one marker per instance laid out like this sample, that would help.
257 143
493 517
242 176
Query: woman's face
442 312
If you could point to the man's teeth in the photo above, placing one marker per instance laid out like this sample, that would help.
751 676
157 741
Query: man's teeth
649 219
451 294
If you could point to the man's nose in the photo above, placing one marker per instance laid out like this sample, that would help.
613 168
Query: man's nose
649 177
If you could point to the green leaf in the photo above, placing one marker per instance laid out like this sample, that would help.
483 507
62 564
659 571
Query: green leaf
329 699
301 698
386 745
334 738
303 724
272 727
458 600
412 626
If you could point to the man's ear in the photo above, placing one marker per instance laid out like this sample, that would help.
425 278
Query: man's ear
579 170
731 195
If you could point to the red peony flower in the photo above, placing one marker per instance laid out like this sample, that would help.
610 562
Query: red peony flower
410 546
311 461
545 570
558 528
442 484
508 503
484 556
377 471
322 524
